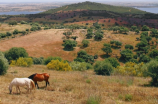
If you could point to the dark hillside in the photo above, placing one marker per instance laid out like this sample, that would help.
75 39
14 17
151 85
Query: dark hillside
95 6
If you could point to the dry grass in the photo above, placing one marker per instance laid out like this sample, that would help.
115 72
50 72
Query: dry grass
8 28
77 87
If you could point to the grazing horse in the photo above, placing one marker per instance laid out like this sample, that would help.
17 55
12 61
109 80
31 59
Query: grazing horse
21 82
39 77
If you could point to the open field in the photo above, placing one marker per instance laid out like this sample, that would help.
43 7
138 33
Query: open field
77 87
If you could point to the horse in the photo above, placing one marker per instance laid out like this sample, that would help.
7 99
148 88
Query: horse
21 82
40 77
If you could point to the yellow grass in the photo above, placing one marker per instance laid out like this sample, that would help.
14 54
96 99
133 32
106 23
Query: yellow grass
8 28
76 87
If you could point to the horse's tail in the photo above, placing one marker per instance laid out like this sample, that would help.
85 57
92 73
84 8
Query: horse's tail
32 84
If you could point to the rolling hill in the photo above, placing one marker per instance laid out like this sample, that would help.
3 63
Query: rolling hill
95 6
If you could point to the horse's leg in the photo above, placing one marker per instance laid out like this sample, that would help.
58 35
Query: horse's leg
47 82
19 89
37 85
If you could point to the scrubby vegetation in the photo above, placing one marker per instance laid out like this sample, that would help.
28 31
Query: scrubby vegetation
113 49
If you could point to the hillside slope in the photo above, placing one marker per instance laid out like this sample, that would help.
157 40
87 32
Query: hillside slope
95 6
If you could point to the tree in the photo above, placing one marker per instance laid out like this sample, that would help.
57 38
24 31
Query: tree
12 23
137 31
15 52
113 61
153 72
3 64
103 68
87 58
85 43
141 44
128 46
69 45
148 38
144 58
154 32
89 35
15 32
98 36
133 28
118 44
145 28
126 55
8 34
107 48
153 53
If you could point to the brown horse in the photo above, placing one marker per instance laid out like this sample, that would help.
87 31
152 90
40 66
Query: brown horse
39 77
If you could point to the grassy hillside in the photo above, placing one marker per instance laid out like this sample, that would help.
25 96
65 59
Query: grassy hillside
95 6
78 88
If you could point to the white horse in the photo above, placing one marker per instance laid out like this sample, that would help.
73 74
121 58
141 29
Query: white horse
21 82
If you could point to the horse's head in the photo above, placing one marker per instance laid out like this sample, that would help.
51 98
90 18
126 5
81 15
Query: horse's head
32 76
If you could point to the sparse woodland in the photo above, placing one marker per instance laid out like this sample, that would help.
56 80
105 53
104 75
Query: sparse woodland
95 61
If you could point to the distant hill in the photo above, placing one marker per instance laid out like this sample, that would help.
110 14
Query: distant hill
95 6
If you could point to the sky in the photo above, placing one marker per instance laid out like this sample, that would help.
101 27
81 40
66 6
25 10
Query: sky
78 0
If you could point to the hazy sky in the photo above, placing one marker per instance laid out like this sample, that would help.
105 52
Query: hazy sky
78 0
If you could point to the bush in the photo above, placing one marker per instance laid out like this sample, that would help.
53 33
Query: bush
3 64
85 43
59 66
103 68
153 72
50 58
69 45
78 66
78 59
131 69
126 54
25 62
113 61
15 52
93 100
128 46
39 60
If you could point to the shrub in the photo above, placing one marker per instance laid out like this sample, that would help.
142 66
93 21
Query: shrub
131 69
113 61
69 45
78 66
59 66
15 52
78 59
39 60
23 22
85 43
93 100
15 31
126 54
82 55
96 56
103 68
153 72
128 97
128 46
144 58
50 58
3 64
25 62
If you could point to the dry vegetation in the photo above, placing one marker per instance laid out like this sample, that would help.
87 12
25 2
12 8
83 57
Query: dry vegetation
8 28
77 87
49 43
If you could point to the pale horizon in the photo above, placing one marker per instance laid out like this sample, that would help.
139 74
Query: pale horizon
16 1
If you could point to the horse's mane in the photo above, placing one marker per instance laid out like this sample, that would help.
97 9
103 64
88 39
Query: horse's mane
32 76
